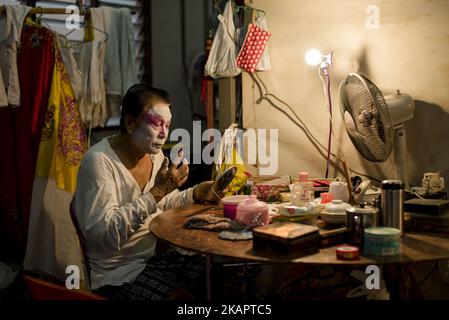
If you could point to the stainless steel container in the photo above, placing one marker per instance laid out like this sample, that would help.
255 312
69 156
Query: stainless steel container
392 204
358 219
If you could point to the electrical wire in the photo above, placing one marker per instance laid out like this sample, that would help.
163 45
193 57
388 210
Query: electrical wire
297 121
330 123
300 123
327 95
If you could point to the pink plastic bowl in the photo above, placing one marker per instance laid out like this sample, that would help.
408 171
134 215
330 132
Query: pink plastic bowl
230 204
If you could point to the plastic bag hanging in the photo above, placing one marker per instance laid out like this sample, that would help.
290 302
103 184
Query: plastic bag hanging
264 62
228 156
221 62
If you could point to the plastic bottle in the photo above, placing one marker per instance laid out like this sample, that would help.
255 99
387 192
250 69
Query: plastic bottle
248 188
303 191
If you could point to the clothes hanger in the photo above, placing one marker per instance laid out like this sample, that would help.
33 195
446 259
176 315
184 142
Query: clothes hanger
245 7
67 43
39 17
38 21
87 24
99 30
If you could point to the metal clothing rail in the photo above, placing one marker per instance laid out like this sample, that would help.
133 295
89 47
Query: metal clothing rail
40 10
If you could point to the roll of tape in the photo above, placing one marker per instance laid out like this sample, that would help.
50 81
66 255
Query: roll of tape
348 253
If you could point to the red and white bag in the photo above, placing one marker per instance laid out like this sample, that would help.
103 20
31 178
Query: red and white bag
253 47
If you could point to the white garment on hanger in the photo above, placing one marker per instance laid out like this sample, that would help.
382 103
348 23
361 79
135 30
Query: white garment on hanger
10 29
84 62
71 66
92 102
120 53
221 62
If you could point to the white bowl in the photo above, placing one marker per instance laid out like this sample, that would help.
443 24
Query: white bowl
337 206
294 211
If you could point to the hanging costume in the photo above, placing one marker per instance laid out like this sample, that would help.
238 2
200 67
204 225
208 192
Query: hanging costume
19 125
10 28
119 55
84 63
51 236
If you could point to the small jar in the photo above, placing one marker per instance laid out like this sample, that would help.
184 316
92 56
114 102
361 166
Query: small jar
230 204
253 212
358 219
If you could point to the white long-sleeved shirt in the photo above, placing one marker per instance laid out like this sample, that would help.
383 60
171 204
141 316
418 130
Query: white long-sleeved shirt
113 215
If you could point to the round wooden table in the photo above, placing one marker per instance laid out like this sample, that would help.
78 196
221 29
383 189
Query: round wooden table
169 227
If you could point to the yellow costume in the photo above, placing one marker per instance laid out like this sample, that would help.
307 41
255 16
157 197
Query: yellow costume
63 140
52 244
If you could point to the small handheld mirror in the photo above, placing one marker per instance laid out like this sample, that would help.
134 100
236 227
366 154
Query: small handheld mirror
222 181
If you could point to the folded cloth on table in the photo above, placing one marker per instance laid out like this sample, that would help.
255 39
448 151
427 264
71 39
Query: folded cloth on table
212 222
235 235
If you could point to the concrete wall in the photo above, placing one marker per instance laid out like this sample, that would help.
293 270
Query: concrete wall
172 60
408 52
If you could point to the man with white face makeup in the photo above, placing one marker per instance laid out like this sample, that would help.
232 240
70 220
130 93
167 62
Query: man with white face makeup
123 183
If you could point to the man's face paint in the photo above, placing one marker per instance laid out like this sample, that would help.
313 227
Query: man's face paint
152 131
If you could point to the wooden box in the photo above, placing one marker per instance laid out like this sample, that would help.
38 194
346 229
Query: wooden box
434 207
287 238
333 236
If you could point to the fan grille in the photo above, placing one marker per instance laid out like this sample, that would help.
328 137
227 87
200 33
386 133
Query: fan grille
373 134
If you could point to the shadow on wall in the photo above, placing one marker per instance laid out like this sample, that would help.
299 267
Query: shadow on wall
363 67
427 135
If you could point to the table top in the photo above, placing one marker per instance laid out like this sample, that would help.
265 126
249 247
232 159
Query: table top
169 226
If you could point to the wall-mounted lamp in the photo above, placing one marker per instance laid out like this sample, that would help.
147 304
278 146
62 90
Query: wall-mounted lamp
314 57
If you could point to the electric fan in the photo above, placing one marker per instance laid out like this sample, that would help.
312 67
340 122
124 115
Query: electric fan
374 123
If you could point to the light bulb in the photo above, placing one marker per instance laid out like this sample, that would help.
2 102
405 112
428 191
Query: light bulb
313 57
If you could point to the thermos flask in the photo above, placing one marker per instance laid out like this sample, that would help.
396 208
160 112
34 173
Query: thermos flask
392 204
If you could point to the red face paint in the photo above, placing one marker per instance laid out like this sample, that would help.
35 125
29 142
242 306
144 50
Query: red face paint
155 120
152 131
